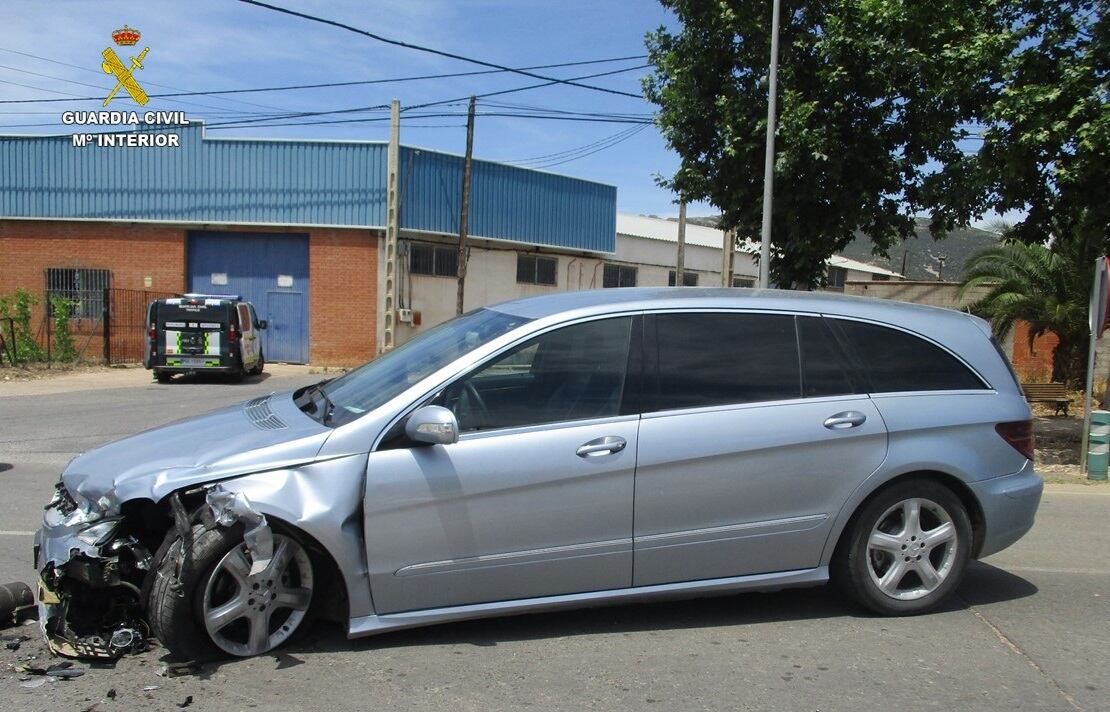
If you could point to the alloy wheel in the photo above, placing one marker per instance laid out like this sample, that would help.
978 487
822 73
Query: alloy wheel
911 549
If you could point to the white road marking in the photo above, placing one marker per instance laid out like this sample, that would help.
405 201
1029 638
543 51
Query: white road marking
1049 570
1093 494
4 532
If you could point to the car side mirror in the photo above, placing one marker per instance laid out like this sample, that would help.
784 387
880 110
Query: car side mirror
434 425
262 323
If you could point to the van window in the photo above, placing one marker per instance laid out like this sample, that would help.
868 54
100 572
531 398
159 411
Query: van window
245 323
892 360
824 372
574 373
719 358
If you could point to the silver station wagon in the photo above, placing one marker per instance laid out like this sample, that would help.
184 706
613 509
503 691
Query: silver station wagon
557 451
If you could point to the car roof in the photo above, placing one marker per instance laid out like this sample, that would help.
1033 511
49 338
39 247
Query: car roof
630 298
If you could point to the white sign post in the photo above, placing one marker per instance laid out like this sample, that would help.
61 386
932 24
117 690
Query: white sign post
1096 316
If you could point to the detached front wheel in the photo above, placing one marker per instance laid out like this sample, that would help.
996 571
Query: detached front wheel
220 607
906 550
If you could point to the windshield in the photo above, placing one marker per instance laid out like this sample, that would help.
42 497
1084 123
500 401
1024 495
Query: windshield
369 386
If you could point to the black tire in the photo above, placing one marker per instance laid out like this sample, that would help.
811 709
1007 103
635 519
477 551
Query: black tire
257 370
853 564
175 610
162 376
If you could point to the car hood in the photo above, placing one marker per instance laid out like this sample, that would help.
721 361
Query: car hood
264 433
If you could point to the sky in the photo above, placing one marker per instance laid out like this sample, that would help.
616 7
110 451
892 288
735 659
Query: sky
52 51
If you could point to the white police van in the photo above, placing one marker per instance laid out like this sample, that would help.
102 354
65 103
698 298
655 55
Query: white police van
204 333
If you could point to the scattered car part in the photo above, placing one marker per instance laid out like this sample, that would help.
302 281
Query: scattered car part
14 599
227 508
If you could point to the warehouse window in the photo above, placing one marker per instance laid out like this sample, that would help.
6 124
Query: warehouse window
533 269
433 260
618 276
837 275
689 279
745 282
84 288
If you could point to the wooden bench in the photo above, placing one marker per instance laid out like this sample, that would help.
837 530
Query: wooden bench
1053 393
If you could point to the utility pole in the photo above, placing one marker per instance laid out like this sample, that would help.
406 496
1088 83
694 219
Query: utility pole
769 158
393 156
464 208
680 262
728 247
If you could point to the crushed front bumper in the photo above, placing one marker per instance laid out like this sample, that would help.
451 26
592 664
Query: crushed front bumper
90 573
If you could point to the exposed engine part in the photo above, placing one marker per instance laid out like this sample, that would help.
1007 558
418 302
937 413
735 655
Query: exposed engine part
227 508
14 599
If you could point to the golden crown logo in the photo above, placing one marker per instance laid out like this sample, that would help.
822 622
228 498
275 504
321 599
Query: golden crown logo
125 75
126 36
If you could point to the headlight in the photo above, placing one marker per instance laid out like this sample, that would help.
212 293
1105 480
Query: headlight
97 534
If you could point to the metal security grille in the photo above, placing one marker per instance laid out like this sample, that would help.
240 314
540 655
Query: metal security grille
83 287
434 261
689 279
125 327
618 276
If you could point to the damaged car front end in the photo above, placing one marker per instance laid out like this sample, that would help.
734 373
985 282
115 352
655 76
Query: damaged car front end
92 567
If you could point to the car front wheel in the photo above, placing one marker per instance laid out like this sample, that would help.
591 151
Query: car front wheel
217 606
906 550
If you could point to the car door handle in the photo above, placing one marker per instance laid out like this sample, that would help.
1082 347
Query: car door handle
845 420
608 445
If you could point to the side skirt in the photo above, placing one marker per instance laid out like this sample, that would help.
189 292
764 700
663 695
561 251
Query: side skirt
372 625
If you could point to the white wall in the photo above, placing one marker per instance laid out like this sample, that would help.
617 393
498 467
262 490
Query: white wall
491 275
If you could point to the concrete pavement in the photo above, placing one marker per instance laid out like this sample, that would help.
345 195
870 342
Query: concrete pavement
1028 630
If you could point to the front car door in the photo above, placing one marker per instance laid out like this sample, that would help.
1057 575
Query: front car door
755 438
535 498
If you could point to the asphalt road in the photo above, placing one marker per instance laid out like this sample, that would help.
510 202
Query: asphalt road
1028 630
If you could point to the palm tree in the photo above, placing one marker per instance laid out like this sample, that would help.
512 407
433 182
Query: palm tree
1047 286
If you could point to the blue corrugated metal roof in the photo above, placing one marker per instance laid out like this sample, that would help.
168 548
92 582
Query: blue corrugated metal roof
282 182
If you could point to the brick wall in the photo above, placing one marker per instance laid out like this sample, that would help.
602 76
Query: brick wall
342 274
1034 365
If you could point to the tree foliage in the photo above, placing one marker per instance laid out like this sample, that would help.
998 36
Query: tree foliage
880 108
1047 287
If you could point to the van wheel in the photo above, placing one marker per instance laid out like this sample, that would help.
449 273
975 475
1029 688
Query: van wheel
162 376
257 370
218 608
906 550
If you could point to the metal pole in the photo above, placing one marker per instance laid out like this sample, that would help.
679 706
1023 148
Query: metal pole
106 323
389 305
464 208
1087 400
680 261
769 158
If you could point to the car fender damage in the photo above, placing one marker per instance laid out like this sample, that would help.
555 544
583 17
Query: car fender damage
96 571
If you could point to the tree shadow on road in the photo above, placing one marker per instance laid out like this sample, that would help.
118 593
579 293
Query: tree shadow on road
982 584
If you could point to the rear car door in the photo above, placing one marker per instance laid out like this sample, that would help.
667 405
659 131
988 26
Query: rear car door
248 336
753 436
535 499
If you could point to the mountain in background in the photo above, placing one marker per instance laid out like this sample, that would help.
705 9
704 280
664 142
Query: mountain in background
921 256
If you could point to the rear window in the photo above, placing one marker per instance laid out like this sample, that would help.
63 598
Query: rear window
893 360
181 315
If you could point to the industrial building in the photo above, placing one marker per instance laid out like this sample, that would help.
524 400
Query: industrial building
298 228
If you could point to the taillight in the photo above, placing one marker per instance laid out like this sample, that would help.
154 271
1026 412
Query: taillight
232 334
1019 434
153 334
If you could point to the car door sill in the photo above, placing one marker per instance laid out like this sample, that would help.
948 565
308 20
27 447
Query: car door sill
371 625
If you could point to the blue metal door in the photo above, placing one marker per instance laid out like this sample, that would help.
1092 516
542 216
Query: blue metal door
266 269
286 325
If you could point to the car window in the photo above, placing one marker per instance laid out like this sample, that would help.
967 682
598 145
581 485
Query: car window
245 322
573 373
721 358
824 372
893 360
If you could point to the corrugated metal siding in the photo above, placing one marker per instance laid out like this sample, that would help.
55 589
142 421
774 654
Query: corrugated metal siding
298 183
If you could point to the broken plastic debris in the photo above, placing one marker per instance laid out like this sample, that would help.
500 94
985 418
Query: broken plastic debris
32 684
188 701
150 688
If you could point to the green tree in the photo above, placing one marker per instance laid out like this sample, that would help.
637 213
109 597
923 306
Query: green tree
888 109
1048 287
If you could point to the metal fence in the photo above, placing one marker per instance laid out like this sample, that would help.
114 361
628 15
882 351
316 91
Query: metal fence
83 288
125 327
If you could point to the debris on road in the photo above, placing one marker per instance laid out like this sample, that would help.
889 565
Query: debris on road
188 701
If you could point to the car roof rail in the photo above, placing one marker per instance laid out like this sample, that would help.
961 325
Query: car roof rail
194 295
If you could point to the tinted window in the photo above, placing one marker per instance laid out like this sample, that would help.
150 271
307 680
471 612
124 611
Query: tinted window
531 269
893 360
689 279
573 373
824 372
714 359
434 261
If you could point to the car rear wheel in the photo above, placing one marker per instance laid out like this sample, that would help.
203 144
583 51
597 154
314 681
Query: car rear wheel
220 608
906 549
257 370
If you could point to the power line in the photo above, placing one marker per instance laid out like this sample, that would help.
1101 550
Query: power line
445 102
372 119
441 53
583 154
560 154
